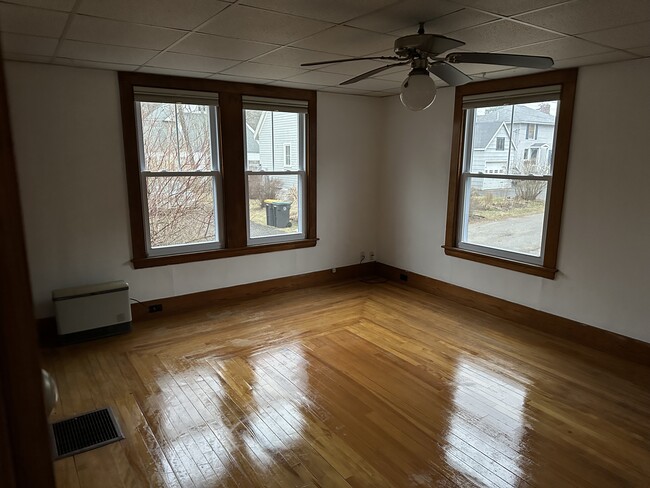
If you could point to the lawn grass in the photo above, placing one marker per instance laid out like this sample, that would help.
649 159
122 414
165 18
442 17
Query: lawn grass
488 208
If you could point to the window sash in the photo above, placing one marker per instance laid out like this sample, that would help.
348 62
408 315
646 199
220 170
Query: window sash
463 220
302 181
167 96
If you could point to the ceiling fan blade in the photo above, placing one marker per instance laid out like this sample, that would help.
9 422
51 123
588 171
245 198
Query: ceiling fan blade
372 72
394 58
449 74
518 60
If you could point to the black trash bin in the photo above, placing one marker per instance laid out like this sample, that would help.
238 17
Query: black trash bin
277 213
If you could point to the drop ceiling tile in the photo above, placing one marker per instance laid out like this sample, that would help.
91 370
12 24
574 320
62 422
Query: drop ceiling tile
461 19
32 45
589 15
240 79
293 57
318 78
104 31
255 24
31 58
563 48
347 90
300 86
31 21
499 35
221 47
627 37
82 63
377 94
266 71
104 53
508 7
189 62
397 75
347 40
641 51
353 68
173 72
374 84
63 5
187 14
336 11
603 58
403 14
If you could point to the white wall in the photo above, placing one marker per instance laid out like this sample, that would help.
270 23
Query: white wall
68 143
604 254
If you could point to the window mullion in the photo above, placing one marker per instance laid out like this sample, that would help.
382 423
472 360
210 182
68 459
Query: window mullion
233 161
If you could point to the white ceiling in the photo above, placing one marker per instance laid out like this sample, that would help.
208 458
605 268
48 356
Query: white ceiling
264 41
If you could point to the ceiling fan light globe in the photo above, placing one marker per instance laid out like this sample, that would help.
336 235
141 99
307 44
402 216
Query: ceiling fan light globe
418 91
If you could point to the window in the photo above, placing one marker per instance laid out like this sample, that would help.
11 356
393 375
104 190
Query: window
507 213
287 155
179 171
274 189
501 143
214 172
531 131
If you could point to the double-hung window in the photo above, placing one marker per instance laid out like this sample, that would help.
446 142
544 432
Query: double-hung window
510 217
217 169
274 186
179 170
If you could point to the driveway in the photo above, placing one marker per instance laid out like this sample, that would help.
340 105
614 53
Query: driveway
519 234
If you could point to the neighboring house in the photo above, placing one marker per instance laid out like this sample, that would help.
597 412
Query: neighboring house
252 150
503 139
278 144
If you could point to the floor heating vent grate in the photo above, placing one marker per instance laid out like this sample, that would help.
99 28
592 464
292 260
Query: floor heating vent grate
85 432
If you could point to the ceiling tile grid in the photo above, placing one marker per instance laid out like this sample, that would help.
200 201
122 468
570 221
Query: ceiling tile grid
266 41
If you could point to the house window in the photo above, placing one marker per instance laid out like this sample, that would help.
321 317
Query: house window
531 131
510 217
274 192
179 171
195 150
501 143
287 155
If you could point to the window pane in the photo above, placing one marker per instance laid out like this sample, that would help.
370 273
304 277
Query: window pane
274 140
506 214
274 205
176 136
519 138
181 210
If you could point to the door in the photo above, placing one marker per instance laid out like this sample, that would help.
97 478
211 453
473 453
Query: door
25 459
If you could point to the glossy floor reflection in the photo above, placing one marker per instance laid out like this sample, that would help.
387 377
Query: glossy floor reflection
353 385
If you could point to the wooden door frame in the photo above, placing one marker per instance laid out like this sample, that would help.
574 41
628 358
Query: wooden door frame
25 457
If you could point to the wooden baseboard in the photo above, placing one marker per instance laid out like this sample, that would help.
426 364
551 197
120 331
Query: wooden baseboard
583 334
140 311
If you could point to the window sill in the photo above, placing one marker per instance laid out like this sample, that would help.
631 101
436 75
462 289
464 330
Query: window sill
153 261
532 269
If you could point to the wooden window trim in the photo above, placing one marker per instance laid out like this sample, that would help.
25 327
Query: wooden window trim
565 78
231 145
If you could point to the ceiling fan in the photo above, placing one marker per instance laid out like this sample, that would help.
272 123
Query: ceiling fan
422 52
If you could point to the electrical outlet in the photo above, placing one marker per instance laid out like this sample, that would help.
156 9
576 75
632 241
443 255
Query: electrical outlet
362 256
371 255
155 308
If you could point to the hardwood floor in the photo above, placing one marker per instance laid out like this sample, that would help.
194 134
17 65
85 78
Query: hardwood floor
353 385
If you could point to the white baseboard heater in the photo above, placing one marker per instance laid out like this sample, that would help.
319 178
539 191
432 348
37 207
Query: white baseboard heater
93 311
